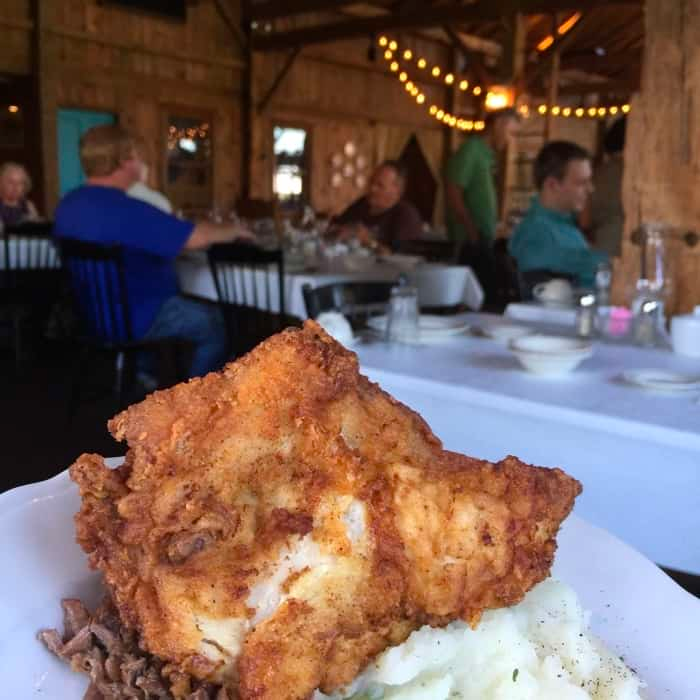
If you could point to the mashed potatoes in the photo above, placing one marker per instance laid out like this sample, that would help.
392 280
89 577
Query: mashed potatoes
538 650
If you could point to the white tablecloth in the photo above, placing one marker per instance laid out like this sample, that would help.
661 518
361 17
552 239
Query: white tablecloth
637 453
442 285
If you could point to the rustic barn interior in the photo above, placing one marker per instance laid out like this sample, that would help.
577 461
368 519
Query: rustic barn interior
237 102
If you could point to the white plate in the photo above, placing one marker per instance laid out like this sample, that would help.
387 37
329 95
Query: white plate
636 609
661 380
428 325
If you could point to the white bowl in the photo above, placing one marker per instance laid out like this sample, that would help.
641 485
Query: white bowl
505 332
550 355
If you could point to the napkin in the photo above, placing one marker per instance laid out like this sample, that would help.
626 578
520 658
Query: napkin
336 325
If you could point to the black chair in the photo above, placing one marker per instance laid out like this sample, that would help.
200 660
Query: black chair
30 278
249 285
530 279
357 301
98 286
431 250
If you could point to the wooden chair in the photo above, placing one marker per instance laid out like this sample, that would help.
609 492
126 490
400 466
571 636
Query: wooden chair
355 300
249 284
30 278
98 285
432 251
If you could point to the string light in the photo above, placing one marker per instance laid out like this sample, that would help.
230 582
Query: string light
494 96
13 109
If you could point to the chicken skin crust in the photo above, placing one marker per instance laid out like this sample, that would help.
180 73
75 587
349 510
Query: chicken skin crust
279 523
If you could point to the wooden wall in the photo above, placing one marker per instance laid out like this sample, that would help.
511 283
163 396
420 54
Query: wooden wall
134 65
340 96
104 58
663 147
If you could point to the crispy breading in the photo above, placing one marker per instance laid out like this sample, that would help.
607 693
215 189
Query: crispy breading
278 524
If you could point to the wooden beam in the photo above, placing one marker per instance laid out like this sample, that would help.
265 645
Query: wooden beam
412 19
289 62
274 9
474 60
559 44
235 29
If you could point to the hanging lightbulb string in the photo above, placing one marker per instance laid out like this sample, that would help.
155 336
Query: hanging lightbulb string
391 54
397 58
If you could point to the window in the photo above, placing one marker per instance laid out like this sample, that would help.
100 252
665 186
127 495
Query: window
188 171
290 176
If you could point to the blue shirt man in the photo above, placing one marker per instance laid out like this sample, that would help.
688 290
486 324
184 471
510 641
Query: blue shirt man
151 241
548 238
101 212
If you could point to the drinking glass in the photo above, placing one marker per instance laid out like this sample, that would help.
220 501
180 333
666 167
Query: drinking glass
402 316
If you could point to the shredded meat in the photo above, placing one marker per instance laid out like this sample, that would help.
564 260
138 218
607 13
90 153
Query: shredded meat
108 653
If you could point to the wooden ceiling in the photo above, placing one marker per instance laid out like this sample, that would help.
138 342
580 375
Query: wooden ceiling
603 51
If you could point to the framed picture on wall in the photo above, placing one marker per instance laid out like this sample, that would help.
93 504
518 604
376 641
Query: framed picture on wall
188 162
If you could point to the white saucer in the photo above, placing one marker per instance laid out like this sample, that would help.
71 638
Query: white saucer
430 327
662 380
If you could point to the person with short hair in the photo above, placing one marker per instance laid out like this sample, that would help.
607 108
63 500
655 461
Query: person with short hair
381 216
141 190
548 239
100 211
15 185
607 213
472 200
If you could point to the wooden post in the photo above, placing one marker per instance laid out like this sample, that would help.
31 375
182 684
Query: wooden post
247 105
662 153
553 93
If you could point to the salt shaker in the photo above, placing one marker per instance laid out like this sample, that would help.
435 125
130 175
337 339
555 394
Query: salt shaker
585 316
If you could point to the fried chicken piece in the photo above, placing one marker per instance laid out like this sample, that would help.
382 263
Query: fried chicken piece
278 524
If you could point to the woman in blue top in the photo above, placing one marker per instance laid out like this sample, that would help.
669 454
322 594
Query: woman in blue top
548 237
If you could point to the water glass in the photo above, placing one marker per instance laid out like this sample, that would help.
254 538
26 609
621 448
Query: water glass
402 316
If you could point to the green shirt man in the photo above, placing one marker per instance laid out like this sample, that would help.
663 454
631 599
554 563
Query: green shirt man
472 202
472 169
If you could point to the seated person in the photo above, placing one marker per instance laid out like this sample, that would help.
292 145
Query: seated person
548 238
101 212
141 190
15 185
381 217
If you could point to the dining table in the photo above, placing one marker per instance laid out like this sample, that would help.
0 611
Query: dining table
636 451
457 285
